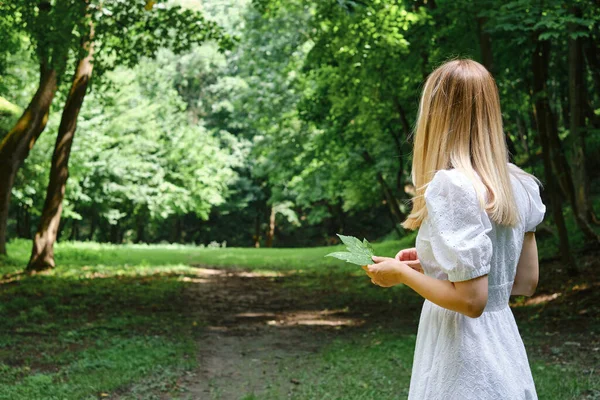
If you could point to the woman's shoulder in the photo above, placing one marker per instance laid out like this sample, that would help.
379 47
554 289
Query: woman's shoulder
527 188
528 181
451 181
459 180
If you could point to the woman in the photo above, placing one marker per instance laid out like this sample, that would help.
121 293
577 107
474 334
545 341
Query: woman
476 214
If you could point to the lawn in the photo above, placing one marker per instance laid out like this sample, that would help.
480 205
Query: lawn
111 322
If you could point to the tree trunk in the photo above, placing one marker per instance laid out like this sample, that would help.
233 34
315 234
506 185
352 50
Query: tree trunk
271 232
23 222
577 102
114 233
176 230
403 119
92 227
18 219
341 217
140 229
42 254
396 215
562 170
74 235
15 147
257 228
512 148
485 45
543 119
593 61
522 135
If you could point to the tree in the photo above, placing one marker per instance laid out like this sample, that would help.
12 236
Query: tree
194 30
538 27
577 122
124 32
42 255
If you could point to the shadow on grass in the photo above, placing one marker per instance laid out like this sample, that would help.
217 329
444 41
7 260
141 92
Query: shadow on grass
75 336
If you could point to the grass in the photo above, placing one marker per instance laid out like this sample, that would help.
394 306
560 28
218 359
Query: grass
110 362
82 330
111 320
371 365
377 365
119 258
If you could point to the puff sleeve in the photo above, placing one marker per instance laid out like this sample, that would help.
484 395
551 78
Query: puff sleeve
537 209
458 226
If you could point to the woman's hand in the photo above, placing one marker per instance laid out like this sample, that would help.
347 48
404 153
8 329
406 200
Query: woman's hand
407 255
410 258
386 271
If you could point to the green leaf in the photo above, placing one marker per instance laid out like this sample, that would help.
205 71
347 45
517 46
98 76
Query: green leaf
358 253
353 258
368 245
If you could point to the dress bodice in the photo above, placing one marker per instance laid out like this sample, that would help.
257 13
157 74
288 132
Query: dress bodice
458 241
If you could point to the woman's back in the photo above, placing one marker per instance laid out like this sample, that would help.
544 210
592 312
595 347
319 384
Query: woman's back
468 344
456 356
507 242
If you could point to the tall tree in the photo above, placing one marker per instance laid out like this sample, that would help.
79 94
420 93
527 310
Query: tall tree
42 255
51 31
17 143
544 120
577 128
124 33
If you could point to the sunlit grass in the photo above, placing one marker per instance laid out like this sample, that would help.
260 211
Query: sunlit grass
104 257
112 319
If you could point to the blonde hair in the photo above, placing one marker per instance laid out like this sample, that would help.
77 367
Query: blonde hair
459 125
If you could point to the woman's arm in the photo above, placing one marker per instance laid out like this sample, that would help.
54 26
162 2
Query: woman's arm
467 297
526 278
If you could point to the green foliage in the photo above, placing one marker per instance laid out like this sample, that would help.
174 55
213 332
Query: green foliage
304 108
123 31
9 38
148 161
359 253
9 113
127 32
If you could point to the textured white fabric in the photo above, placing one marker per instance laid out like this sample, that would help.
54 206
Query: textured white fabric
458 357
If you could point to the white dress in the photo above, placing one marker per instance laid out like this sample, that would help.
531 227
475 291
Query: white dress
456 356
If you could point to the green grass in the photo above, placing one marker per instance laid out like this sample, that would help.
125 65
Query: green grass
111 319
564 382
86 329
119 258
109 363
372 365
377 365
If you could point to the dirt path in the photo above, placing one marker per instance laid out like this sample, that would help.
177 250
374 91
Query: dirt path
255 326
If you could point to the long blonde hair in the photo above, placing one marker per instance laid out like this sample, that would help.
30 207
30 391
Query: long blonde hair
459 125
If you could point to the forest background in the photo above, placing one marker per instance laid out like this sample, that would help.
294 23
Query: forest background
173 172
